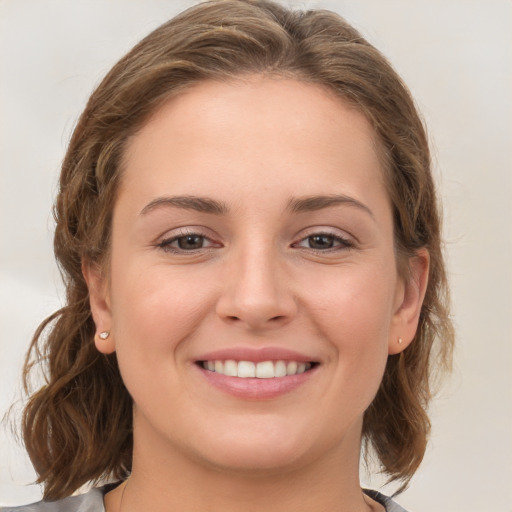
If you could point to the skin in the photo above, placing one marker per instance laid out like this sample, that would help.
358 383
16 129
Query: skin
252 145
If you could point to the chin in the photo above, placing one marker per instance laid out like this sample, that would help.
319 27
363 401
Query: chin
261 447
253 459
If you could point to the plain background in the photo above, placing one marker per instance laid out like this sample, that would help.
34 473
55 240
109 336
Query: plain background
455 55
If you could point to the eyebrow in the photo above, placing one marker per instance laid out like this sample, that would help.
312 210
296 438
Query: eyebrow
296 205
314 203
198 204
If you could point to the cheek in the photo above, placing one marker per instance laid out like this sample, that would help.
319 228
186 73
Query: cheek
155 314
155 310
353 312
353 306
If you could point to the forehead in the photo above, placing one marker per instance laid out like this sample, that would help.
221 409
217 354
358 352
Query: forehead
260 132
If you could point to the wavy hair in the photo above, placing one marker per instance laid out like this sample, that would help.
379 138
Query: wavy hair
77 427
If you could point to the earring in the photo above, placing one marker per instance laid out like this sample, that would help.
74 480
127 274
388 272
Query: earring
104 335
400 341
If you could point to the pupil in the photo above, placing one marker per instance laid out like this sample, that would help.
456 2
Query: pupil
190 242
321 241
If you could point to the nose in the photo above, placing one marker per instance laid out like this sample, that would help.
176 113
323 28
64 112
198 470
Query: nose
256 292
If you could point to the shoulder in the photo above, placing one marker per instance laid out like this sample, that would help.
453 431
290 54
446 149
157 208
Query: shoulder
91 501
385 501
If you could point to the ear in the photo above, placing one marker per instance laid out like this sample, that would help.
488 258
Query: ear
410 295
99 301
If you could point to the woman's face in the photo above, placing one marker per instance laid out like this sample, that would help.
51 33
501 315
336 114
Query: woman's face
252 241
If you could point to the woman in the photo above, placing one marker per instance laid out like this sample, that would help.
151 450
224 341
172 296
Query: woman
248 231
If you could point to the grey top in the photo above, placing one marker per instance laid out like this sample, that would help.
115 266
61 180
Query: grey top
92 501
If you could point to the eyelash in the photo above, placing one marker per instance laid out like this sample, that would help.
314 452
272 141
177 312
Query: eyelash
343 243
166 246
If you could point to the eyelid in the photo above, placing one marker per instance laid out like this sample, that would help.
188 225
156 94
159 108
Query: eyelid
347 241
164 241
179 231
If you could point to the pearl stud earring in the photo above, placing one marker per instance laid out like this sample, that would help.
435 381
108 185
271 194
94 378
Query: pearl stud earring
104 335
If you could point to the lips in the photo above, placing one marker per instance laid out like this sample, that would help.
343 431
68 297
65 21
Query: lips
256 374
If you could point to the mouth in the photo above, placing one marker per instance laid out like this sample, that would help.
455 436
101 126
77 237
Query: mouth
264 373
260 370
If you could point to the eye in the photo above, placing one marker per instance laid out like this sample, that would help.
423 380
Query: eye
186 242
190 242
324 242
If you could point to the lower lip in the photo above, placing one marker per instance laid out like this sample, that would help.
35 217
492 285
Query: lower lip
256 389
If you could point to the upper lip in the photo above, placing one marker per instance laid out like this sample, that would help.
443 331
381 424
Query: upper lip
256 355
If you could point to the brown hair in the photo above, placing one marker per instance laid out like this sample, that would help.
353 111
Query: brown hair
78 427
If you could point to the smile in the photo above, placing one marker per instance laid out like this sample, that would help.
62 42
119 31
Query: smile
259 370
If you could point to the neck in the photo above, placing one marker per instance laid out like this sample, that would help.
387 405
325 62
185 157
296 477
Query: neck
168 479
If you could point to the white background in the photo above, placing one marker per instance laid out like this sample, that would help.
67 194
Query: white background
456 56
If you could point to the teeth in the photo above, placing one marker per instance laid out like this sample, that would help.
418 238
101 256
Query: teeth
231 368
265 370
246 369
262 370
291 368
280 369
